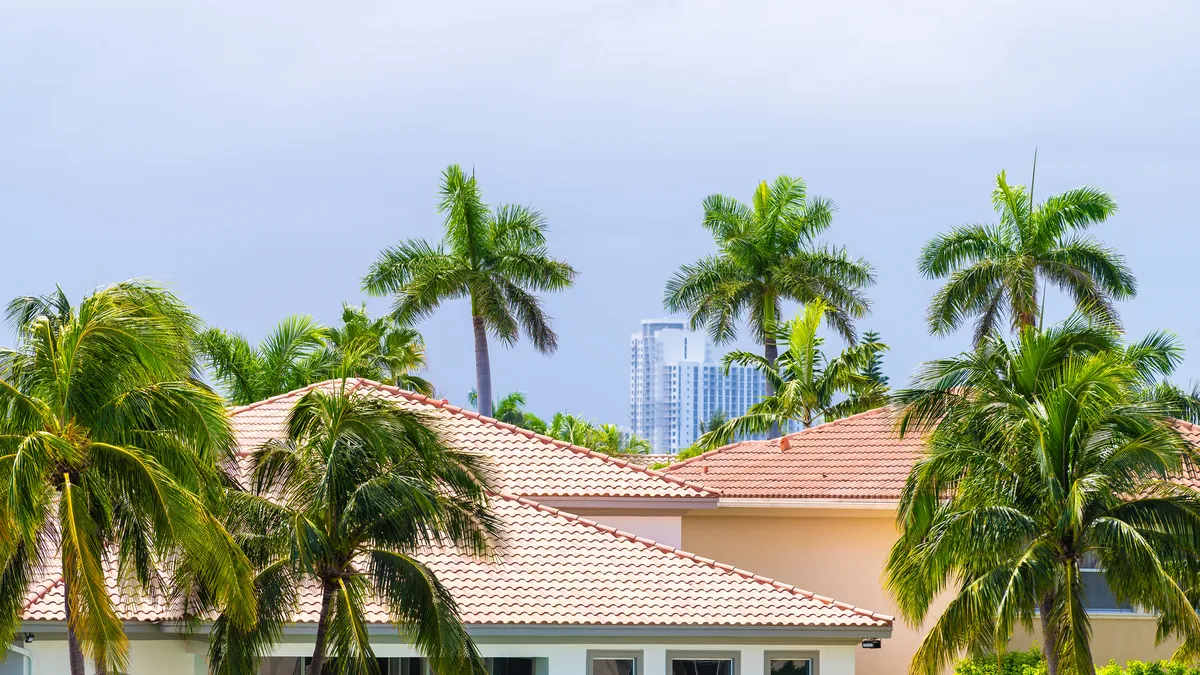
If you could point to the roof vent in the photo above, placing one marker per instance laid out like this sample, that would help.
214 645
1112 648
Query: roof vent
784 444
704 468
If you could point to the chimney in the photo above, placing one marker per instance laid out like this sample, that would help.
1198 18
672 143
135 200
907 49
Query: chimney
784 443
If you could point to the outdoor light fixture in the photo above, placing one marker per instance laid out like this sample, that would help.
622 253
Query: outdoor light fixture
28 638
872 643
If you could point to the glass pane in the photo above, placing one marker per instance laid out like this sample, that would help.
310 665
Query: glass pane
701 666
613 667
1096 594
276 665
791 667
506 666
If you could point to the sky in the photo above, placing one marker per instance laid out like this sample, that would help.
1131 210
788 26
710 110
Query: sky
256 156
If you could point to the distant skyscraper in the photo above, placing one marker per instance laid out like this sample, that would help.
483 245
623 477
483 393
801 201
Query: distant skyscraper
676 384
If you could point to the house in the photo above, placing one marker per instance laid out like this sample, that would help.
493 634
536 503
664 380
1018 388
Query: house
819 506
592 578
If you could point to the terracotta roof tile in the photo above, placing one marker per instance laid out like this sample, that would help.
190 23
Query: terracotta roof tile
559 569
526 463
858 457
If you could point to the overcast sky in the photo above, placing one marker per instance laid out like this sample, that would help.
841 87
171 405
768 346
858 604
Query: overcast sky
257 155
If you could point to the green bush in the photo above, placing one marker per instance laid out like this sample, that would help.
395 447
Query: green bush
1031 663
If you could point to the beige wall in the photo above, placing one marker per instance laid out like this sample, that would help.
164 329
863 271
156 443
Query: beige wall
840 553
832 554
1115 638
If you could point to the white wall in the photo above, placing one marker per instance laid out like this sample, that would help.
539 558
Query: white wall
663 529
166 656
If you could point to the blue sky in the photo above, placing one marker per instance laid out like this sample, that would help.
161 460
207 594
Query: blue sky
257 155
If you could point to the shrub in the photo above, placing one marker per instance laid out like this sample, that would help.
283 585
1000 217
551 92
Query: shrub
1031 663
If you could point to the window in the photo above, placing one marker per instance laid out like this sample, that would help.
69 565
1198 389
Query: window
510 666
702 663
792 663
614 663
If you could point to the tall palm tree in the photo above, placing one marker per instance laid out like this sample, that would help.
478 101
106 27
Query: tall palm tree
395 352
768 253
1043 454
806 384
995 271
292 355
111 449
344 503
495 257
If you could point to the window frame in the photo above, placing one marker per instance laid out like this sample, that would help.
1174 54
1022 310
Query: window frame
603 654
812 656
703 655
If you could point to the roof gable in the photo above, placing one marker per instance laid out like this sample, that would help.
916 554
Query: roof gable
525 463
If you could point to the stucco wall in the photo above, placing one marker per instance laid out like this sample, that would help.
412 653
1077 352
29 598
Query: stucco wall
1114 637
663 529
159 657
162 656
840 555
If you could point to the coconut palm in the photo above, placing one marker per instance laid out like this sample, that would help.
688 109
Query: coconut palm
394 352
292 355
1044 456
343 503
109 450
495 257
807 385
768 253
995 271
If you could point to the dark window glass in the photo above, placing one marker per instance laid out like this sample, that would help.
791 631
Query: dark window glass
791 667
701 666
613 667
1096 594
506 666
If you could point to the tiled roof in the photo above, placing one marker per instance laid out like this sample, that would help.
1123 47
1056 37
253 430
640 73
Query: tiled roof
858 457
560 569
649 459
1191 433
526 463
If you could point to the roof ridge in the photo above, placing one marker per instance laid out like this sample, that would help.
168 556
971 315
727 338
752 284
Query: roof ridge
775 441
444 404
673 550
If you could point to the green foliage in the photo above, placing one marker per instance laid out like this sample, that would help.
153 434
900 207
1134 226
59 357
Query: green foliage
605 438
872 368
109 448
1042 454
1032 663
344 503
495 257
807 385
995 272
379 349
768 252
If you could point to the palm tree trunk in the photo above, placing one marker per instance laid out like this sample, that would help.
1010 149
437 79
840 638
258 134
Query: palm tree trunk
1049 636
483 367
74 652
318 657
770 350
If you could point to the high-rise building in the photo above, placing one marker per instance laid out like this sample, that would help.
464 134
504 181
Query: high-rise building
676 383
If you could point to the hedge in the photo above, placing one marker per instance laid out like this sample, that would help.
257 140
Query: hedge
1031 663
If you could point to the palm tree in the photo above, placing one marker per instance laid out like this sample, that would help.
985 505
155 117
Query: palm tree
511 409
293 355
496 258
1044 454
110 448
393 351
606 438
344 503
806 384
768 253
995 270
